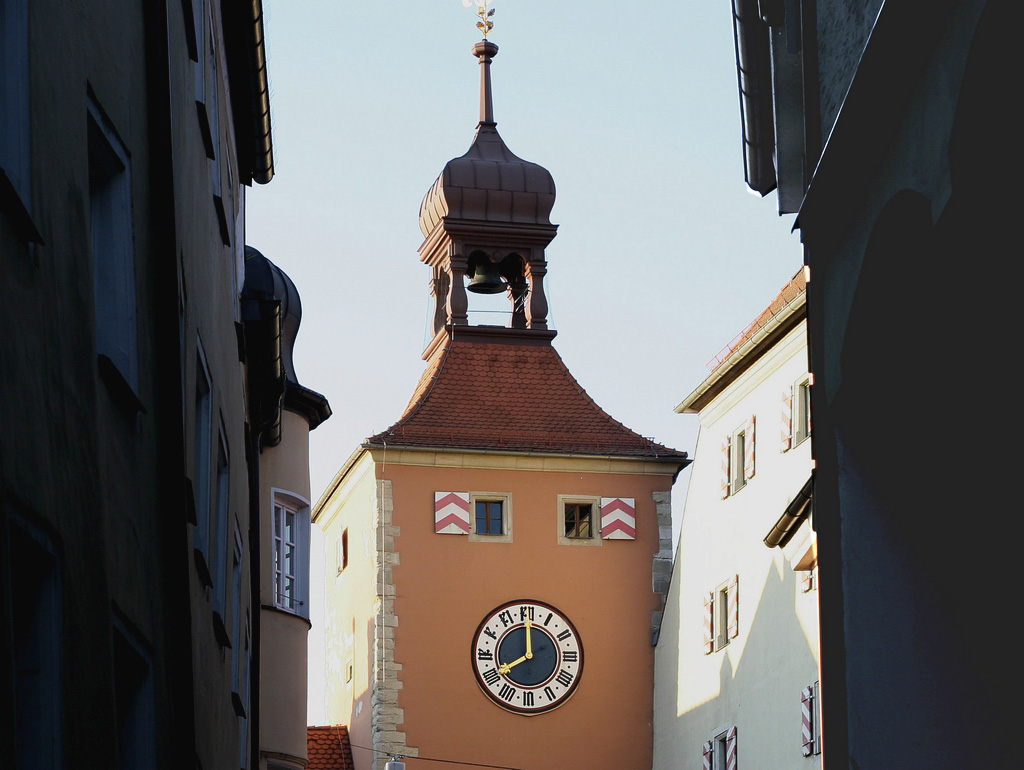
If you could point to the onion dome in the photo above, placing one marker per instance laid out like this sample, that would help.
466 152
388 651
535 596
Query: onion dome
489 183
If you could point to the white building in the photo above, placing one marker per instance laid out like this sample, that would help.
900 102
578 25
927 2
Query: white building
736 666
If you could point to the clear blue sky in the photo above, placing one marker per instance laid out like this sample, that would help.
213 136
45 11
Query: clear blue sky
662 255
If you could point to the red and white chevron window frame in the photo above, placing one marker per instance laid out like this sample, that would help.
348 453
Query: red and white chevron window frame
451 513
618 518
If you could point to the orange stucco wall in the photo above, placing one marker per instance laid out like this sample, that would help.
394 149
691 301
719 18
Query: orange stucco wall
446 584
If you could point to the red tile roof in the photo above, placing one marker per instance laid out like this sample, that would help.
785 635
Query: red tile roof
329 748
477 394
796 286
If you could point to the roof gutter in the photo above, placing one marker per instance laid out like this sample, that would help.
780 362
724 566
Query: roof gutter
738 356
753 74
798 510
263 163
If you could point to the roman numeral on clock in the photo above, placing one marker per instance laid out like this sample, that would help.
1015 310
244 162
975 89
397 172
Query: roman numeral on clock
507 692
486 655
490 633
549 693
491 676
564 678
564 635
527 698
569 656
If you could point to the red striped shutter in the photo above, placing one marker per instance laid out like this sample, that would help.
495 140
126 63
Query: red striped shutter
748 450
730 749
726 469
709 614
708 753
451 513
806 725
786 433
618 518
733 607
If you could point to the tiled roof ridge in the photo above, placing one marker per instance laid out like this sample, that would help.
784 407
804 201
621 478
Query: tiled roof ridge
427 381
793 288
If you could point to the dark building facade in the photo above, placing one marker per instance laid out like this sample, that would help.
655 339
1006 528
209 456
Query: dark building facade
879 123
130 453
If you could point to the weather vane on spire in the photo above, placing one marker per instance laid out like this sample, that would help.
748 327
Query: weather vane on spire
485 24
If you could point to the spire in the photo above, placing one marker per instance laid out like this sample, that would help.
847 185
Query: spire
487 217
485 50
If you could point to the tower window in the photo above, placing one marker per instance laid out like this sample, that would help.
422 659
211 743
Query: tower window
579 520
290 528
489 517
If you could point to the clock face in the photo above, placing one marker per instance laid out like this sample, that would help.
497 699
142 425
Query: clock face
527 656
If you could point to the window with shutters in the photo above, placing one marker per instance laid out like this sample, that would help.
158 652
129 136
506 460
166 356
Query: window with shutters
738 459
492 517
579 520
721 615
202 438
720 753
801 410
796 413
112 248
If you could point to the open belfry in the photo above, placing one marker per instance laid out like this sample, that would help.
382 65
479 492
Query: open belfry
502 551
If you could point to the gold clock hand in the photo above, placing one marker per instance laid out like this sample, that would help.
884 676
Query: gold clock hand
504 668
529 639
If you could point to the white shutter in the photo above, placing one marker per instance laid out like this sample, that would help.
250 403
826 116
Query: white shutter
726 468
786 426
709 623
806 720
748 450
733 607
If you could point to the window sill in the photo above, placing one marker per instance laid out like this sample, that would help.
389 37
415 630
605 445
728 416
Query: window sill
236 701
283 611
12 205
120 388
575 541
201 567
222 220
220 631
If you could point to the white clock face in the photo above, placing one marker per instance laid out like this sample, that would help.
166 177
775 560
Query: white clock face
527 657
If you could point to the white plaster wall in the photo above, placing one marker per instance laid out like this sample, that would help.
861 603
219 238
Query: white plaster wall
753 683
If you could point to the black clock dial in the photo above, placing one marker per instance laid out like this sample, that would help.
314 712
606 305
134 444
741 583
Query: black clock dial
535 670
527 657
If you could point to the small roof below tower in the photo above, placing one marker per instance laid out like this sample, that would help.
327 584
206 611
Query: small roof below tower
497 396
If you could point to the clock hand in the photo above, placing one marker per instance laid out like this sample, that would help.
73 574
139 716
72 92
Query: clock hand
504 668
529 640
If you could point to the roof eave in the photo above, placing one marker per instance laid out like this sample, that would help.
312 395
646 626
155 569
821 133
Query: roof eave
745 355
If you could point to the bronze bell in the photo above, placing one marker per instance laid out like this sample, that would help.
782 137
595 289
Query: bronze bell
486 279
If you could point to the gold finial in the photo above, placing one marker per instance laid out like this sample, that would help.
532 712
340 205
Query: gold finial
485 24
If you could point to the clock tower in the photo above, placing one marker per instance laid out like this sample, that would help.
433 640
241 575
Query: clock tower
500 553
